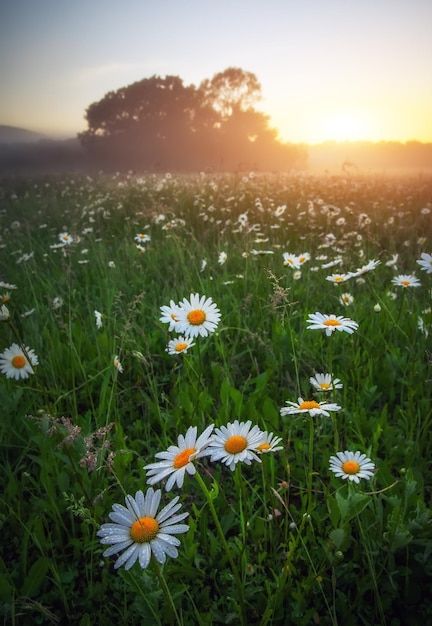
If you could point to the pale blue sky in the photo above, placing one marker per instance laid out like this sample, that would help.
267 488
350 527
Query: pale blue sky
328 68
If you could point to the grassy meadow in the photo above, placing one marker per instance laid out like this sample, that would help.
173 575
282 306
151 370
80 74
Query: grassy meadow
283 541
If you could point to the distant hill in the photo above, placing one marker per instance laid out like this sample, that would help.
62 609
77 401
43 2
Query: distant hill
13 134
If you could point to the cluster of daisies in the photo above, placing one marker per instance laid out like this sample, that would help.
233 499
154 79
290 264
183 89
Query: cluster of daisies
137 530
347 465
197 317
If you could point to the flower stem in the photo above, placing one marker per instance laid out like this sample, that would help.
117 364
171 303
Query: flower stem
166 591
234 569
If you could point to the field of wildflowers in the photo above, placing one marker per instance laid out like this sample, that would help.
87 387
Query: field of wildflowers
216 400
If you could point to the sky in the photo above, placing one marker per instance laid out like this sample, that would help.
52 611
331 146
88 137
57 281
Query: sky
329 69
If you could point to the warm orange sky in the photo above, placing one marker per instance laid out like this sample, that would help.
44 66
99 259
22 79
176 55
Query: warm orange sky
330 69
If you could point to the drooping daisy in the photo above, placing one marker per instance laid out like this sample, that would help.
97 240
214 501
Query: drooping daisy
325 382
142 238
179 345
269 443
406 280
352 466
17 363
309 406
4 313
178 460
330 323
425 262
236 442
346 299
138 532
198 316
170 315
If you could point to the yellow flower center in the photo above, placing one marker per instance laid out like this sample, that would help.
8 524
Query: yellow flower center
332 323
144 529
19 361
180 346
301 259
309 404
263 447
235 444
351 467
196 317
405 283
325 386
182 458
338 279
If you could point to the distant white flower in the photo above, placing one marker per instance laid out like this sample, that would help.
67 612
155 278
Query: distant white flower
98 317
425 262
346 299
65 239
222 258
203 265
142 238
369 267
297 275
117 364
338 278
377 307
406 281
269 443
422 327
7 285
4 313
57 302
325 382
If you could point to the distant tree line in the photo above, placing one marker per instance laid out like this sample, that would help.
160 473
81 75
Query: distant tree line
161 124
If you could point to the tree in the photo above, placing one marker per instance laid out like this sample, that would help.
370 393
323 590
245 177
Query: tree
162 123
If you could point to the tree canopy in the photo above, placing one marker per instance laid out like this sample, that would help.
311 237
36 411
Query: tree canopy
161 123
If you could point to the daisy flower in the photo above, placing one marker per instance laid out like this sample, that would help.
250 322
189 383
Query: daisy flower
330 323
178 460
198 316
325 382
222 258
425 262
142 238
65 239
369 267
117 364
179 345
302 258
338 278
269 443
309 406
138 531
4 313
98 319
406 280
346 299
17 363
352 466
236 442
291 260
170 315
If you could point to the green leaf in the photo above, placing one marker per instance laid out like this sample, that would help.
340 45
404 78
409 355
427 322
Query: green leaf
35 577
